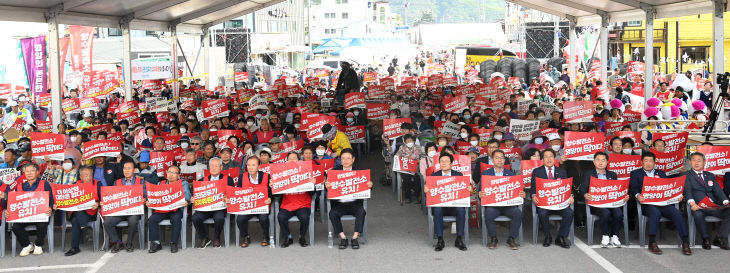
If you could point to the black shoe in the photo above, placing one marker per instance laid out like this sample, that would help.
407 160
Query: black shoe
562 242
204 243
116 247
130 247
440 244
408 200
706 243
173 247
155 247
303 242
715 242
460 244
72 251
343 243
287 243
547 242
355 244
511 243
246 241
492 243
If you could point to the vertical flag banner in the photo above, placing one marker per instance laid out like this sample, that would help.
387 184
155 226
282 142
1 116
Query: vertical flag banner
34 58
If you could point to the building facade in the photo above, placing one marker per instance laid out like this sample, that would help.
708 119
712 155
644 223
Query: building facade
350 19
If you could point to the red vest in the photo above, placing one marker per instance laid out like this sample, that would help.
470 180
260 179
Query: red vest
137 181
246 182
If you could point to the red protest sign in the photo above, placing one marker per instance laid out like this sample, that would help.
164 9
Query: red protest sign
318 173
239 77
369 77
391 127
462 164
89 104
582 145
622 165
354 100
348 184
214 108
44 99
448 191
717 159
455 104
377 110
291 177
208 195
607 193
405 165
634 136
74 197
48 144
502 190
435 80
662 191
121 200
635 67
315 123
578 111
527 167
706 203
291 146
45 126
132 118
108 148
356 134
673 141
553 194
165 197
27 207
70 105
670 163
613 127
376 91
327 163
161 161
250 200
387 82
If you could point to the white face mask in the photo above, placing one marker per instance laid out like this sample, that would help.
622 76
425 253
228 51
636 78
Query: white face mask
320 152
73 139
628 151
258 116
67 165
474 142
507 109
498 137
297 125
249 123
349 119
409 144
299 104
539 141
464 135
183 130
184 145
214 129
432 153
555 147
356 113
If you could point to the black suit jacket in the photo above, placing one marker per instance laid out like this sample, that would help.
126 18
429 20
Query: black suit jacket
453 173
696 190
593 173
540 172
229 182
112 172
637 180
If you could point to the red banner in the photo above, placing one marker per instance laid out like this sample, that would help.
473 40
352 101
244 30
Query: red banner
582 145
291 177
121 200
214 108
369 77
27 207
82 38
670 163
45 126
377 111
376 91
165 197
251 200
662 191
553 194
717 158
354 100
634 136
635 67
48 144
108 148
391 127
315 123
448 191
208 195
527 167
74 197
356 134
455 104
405 165
240 77
578 111
462 164
673 141
161 161
292 146
502 190
132 118
348 184
387 82
622 165
607 193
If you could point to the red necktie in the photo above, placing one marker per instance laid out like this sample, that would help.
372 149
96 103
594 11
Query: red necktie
702 179
550 173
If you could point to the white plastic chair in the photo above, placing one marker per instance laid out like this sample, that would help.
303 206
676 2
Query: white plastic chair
447 219
691 224
226 229
347 218
536 222
255 220
49 235
591 220
277 204
140 232
166 222
94 225
501 218
642 221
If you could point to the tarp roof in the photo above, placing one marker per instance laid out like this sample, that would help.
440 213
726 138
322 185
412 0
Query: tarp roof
189 16
589 12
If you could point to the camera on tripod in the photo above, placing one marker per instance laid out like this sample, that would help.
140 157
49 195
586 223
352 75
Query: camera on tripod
723 81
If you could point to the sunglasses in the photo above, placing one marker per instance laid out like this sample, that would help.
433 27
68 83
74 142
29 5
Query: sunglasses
195 143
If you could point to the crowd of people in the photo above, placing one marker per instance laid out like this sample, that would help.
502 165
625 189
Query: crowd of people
204 155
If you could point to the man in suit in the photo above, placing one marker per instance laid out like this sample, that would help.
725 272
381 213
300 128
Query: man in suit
652 212
253 178
110 222
492 145
550 171
491 213
701 187
216 166
610 219
343 207
105 172
445 161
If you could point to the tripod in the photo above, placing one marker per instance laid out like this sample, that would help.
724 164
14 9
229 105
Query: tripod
717 108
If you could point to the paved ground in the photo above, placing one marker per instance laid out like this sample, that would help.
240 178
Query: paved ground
397 243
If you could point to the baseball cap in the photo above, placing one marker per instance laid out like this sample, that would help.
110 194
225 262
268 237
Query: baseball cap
144 156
